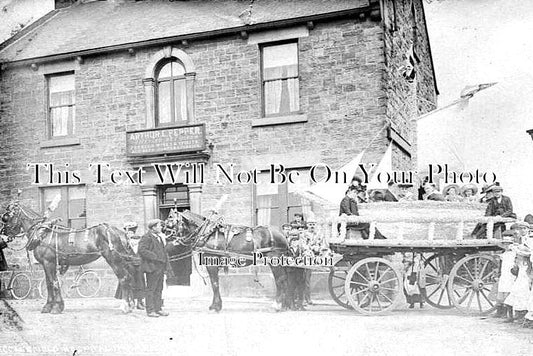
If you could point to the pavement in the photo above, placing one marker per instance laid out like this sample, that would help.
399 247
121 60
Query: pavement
251 327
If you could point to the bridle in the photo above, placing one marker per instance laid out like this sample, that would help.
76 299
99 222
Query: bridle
12 220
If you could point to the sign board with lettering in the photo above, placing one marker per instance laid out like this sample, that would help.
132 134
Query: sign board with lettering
165 140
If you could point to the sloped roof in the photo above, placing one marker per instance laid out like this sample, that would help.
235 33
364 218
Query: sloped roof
101 24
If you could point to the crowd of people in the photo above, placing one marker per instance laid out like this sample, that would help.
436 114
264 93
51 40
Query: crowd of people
149 276
304 240
513 292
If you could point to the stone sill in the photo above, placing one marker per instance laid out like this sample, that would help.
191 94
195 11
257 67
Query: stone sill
59 142
279 120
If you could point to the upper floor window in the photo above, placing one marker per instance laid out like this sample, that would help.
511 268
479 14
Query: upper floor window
61 105
171 93
280 80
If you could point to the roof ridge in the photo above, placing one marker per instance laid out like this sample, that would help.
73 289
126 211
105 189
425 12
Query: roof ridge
27 29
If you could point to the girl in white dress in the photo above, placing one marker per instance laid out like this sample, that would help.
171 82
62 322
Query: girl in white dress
518 298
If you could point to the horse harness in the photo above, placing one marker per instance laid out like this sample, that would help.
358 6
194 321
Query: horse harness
229 231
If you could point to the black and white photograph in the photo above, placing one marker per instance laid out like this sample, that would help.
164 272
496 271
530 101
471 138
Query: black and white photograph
266 177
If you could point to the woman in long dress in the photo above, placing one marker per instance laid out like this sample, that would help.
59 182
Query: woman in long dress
519 297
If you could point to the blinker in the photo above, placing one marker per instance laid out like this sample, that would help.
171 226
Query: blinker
249 235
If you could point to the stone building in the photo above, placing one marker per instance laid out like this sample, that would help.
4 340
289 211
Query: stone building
97 87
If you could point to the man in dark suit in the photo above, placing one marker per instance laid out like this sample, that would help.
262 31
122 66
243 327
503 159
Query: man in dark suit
348 203
499 205
349 207
432 193
154 263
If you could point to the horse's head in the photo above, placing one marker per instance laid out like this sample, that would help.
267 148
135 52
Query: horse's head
182 226
11 220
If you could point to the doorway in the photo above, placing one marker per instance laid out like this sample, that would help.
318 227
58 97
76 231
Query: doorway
170 196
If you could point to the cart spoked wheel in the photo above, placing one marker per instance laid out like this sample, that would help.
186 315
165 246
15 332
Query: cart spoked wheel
373 286
471 281
336 280
434 281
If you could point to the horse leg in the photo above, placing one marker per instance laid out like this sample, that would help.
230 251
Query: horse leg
280 278
213 277
47 267
57 304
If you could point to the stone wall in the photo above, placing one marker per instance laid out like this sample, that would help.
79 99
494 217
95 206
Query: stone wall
341 91
405 29
349 86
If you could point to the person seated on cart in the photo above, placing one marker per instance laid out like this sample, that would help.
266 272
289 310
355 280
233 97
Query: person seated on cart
486 193
450 193
468 192
348 207
360 188
500 206
296 278
431 192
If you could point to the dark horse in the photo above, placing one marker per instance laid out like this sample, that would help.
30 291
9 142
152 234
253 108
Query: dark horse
215 240
57 246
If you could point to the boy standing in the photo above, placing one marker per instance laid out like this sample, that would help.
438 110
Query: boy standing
295 276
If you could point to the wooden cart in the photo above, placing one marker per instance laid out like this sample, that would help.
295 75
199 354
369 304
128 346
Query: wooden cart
458 271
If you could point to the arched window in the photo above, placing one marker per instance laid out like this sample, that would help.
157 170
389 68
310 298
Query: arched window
171 93
169 88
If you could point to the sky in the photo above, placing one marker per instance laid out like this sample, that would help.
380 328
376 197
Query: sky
14 13
482 41
473 42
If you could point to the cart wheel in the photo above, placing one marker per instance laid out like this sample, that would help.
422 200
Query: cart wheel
373 286
336 279
434 279
471 280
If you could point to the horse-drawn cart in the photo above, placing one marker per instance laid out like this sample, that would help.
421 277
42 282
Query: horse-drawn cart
457 270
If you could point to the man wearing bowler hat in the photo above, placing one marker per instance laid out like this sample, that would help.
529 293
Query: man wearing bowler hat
154 264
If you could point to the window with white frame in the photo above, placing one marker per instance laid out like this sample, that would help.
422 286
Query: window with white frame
171 93
280 79
61 105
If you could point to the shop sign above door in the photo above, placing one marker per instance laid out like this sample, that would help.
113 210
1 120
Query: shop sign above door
165 140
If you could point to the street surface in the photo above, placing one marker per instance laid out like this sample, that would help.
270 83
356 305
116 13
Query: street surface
251 327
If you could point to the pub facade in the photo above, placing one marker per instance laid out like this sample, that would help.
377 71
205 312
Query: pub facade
126 109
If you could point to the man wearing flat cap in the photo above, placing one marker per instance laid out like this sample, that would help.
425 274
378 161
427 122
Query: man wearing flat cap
498 205
154 264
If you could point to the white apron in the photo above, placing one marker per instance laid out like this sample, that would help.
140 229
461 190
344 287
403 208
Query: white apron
506 278
519 296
